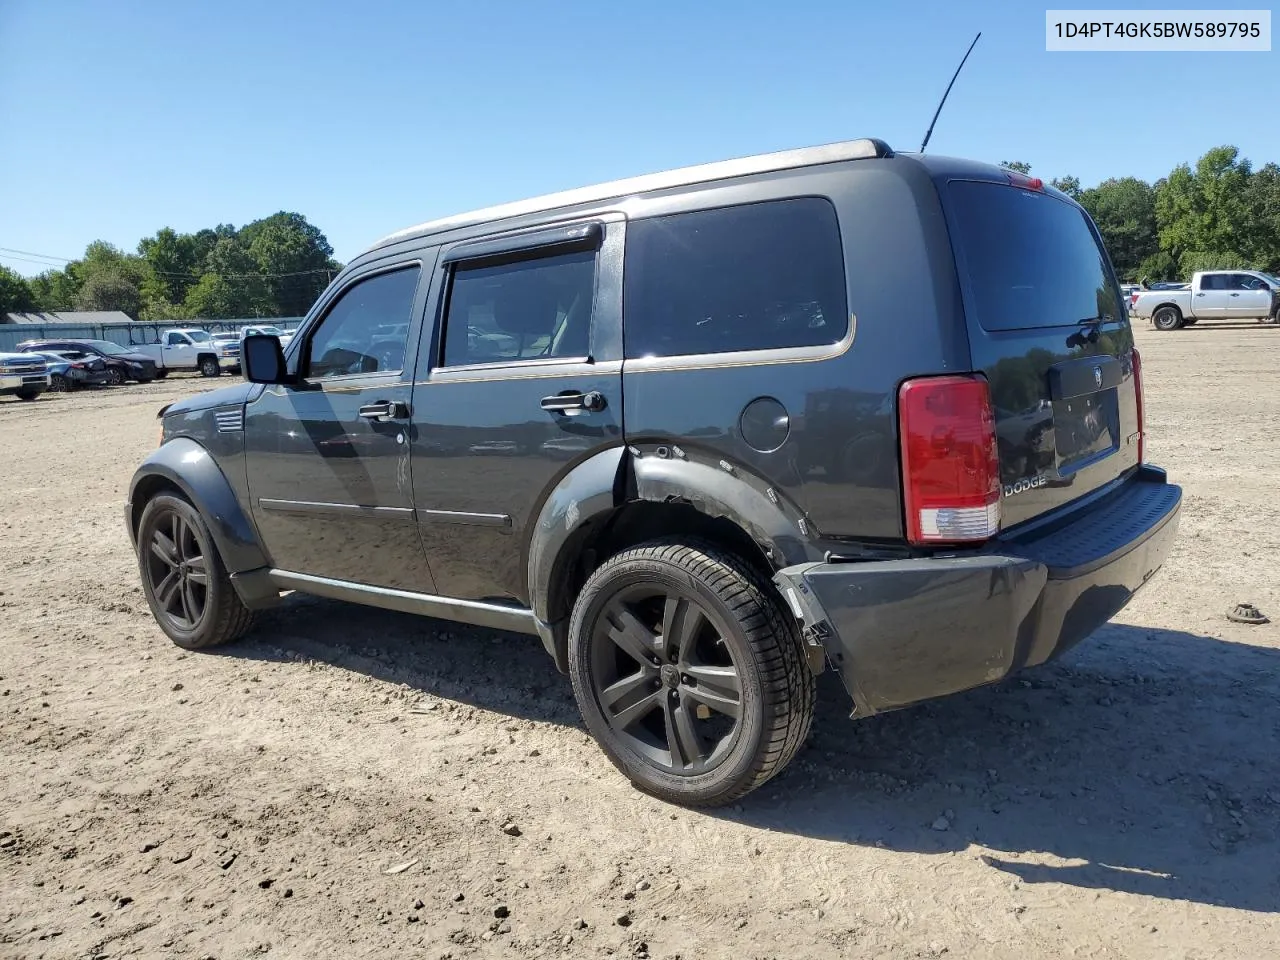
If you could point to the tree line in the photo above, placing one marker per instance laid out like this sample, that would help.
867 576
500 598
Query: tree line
1219 214
273 267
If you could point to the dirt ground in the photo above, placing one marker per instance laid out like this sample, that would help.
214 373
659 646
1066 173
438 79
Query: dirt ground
347 782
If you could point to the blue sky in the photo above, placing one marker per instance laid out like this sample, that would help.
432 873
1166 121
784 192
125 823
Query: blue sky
118 118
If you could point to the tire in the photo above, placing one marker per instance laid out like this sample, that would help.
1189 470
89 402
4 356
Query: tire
60 384
28 394
1167 318
676 736
161 374
1275 316
173 541
115 377
209 367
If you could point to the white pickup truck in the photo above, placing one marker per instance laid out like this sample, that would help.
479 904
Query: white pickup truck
1211 295
191 349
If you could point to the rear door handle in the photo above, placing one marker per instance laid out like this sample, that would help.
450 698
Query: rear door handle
569 402
385 410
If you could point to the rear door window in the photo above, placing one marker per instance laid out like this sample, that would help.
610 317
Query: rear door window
1028 258
754 277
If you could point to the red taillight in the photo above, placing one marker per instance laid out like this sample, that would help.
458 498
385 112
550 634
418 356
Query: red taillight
1022 180
950 463
1137 396
78 366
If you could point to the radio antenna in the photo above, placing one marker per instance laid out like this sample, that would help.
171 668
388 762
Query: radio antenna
929 132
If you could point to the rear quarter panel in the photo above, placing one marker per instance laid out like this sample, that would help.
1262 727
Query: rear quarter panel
839 462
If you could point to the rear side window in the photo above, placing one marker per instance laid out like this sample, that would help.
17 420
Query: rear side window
755 277
531 309
1031 259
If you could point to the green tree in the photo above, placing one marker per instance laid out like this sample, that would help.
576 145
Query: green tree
1068 185
1262 225
173 260
1017 166
55 290
110 291
216 297
295 258
15 293
1125 211
1203 214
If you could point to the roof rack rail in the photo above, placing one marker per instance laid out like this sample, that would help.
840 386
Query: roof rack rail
865 148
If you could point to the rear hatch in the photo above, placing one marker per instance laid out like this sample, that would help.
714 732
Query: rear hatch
1048 328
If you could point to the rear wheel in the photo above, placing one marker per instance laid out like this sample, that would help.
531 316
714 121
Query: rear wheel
185 582
114 376
60 384
209 367
1167 318
688 672
1275 316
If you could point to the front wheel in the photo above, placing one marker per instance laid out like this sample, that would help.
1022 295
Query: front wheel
688 672
1167 318
29 394
209 367
183 578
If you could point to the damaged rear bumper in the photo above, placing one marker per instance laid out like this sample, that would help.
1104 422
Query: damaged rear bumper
903 631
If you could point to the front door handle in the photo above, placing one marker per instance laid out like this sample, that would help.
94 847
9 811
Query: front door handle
1235 294
385 410
570 401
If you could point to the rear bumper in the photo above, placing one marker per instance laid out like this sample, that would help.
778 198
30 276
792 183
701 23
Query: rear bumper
903 631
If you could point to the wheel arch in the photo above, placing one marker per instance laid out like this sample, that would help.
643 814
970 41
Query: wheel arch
187 467
619 499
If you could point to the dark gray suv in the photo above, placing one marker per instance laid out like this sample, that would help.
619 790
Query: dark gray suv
705 433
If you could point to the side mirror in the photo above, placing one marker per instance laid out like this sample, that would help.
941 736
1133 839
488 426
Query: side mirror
263 359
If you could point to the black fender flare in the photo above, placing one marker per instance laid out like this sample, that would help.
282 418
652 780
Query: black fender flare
597 487
718 488
588 492
190 467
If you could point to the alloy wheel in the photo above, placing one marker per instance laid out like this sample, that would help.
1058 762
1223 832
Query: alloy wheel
177 571
665 679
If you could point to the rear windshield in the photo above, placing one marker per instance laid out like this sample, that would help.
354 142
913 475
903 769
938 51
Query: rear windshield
1031 259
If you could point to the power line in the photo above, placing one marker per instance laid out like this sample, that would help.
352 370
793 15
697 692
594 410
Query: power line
28 253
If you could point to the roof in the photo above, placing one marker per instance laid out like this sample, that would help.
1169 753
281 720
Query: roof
702 173
70 316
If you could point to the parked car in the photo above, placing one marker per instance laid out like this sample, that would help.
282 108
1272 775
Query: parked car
74 369
680 568
123 364
268 330
1212 295
191 349
228 344
23 376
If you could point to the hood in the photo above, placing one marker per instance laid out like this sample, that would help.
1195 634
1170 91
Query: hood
235 394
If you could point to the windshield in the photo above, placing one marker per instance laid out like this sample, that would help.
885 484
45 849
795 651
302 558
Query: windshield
1030 259
107 347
